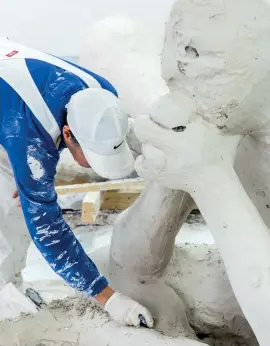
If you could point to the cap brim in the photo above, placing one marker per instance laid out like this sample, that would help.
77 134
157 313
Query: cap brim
115 166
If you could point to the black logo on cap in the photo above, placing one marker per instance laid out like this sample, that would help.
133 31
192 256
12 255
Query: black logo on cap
117 146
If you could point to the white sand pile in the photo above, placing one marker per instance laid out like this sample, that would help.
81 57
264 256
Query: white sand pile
76 321
196 273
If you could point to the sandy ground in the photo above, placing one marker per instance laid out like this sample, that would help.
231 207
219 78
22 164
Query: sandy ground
76 321
195 272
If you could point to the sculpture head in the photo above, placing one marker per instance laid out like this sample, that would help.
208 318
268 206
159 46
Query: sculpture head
217 52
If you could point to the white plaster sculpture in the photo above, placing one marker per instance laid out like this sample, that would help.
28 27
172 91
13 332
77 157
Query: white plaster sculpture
216 62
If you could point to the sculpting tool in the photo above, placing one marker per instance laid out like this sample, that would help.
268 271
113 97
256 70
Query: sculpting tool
143 321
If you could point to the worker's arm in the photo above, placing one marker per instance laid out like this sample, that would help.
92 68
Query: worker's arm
34 165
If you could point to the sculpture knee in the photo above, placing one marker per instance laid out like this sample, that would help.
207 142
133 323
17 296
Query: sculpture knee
144 235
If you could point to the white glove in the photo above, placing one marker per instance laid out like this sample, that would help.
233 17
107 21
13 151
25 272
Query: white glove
127 312
182 160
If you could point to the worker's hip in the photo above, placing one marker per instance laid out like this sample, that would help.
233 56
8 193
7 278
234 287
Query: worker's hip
7 184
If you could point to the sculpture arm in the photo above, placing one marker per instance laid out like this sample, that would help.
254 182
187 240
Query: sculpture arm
200 161
243 240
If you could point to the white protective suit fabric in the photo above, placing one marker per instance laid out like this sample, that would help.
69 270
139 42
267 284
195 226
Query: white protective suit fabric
14 236
19 78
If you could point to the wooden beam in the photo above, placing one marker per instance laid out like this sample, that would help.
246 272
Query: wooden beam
118 200
75 181
137 184
91 206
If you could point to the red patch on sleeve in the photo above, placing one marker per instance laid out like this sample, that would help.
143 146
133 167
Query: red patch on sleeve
14 52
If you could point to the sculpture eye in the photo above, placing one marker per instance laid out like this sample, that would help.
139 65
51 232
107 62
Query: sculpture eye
192 52
179 128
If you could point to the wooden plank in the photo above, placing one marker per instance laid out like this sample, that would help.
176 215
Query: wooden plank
118 200
75 181
137 184
91 206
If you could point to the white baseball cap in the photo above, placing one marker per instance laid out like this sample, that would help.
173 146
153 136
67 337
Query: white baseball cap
96 119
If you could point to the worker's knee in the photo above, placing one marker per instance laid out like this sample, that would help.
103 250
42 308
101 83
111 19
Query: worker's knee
14 243
12 258
11 265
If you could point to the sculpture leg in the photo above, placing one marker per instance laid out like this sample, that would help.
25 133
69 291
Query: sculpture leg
142 246
252 167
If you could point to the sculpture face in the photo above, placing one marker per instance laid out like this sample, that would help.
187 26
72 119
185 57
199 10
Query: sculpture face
217 53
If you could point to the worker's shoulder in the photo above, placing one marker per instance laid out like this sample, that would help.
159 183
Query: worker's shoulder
103 82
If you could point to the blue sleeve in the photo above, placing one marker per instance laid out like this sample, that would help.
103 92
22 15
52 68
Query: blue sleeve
104 83
34 165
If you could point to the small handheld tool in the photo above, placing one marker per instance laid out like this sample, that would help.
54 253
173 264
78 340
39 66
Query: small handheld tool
35 297
143 321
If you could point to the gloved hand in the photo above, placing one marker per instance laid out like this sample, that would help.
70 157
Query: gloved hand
183 160
127 312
